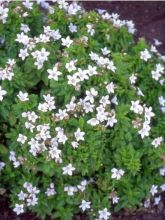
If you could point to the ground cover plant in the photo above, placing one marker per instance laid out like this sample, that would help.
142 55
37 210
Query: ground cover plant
81 110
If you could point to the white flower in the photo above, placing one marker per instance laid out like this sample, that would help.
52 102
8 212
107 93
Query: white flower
162 171
70 190
162 187
72 28
66 41
147 203
68 170
110 87
22 195
62 138
157 141
55 154
159 68
82 74
157 42
61 114
74 144
154 190
71 66
55 34
111 121
23 96
115 199
54 73
82 185
90 95
73 80
105 100
23 53
3 13
133 78
41 57
148 113
16 163
93 122
85 205
155 75
114 100
157 200
136 107
50 190
2 165
145 55
43 107
25 28
111 66
73 8
79 135
22 38
104 214
2 93
162 101
105 51
28 4
92 70
32 200
19 209
21 138
11 62
145 130
117 173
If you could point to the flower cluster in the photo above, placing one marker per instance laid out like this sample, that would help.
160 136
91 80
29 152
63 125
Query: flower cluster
81 111
28 197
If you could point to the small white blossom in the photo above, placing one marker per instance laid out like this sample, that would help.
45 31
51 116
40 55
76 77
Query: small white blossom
162 171
23 96
133 78
162 187
19 209
66 41
21 138
93 122
71 66
136 107
79 135
68 170
85 205
117 173
54 73
2 93
110 87
2 165
22 196
23 53
50 190
157 141
157 200
115 199
144 132
104 214
154 190
145 55
72 28
70 190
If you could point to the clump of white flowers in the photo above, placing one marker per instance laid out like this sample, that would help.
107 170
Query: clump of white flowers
82 111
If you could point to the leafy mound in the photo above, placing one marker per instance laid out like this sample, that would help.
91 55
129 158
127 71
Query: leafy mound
81 110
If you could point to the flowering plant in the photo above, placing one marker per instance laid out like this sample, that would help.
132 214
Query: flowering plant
81 109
